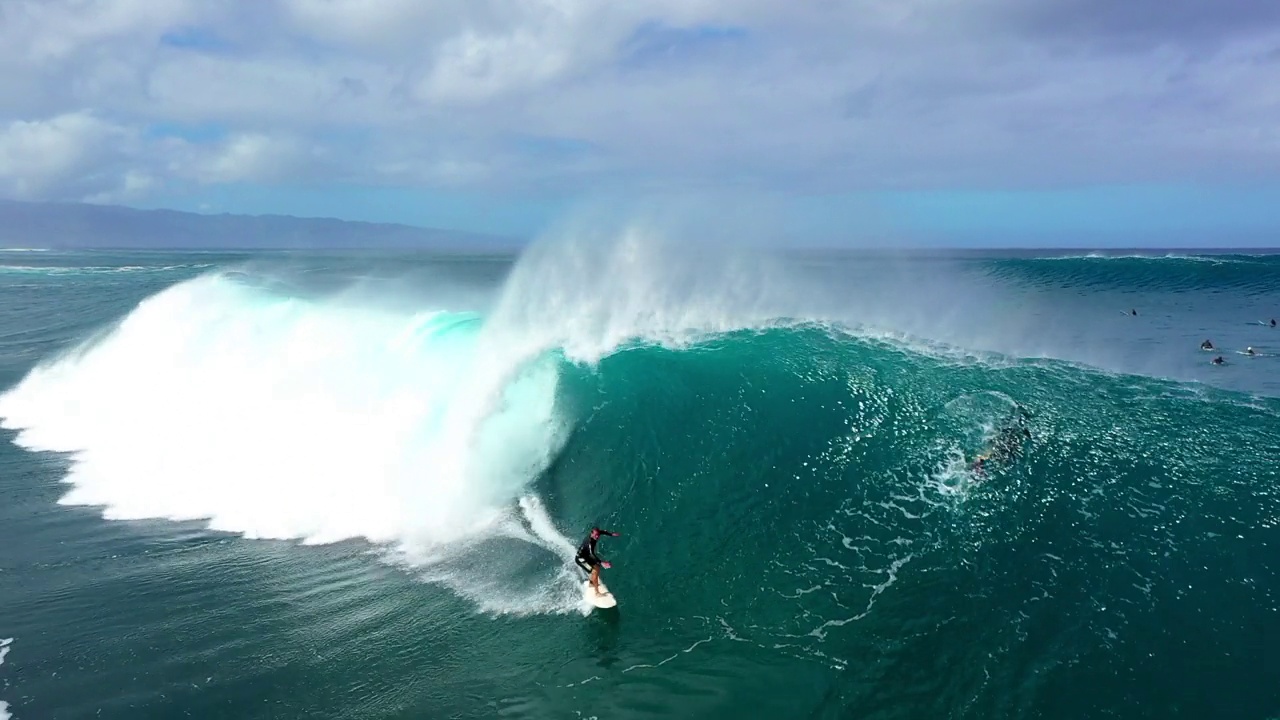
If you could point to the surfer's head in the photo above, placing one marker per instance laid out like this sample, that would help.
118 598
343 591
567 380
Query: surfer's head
595 533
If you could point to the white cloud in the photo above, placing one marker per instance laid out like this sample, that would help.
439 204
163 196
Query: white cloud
375 24
250 157
69 156
44 31
475 68
133 185
283 93
574 94
78 156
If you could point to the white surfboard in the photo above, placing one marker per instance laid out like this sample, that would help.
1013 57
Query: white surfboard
604 600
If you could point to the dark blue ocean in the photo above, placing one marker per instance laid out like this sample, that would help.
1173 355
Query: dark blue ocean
350 485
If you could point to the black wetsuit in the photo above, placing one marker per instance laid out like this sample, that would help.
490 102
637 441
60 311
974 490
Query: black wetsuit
587 557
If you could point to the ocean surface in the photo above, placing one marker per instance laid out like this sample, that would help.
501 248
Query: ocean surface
350 485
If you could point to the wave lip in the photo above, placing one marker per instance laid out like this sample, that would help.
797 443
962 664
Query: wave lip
1180 273
97 269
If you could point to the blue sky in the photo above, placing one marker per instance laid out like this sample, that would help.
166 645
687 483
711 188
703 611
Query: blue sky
989 122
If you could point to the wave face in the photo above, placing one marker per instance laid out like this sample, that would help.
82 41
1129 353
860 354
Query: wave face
817 480
792 484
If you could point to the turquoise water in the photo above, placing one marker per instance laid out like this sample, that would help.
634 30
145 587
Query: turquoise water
292 485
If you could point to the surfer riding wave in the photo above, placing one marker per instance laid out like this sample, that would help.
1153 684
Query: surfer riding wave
589 561
1008 442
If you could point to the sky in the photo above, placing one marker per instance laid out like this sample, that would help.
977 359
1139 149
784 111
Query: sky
1053 122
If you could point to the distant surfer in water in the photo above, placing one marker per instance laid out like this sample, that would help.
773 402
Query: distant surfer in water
1218 361
1008 441
1133 312
1249 351
1273 322
589 561
1206 345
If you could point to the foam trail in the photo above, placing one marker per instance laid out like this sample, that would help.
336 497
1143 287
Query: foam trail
544 528
4 651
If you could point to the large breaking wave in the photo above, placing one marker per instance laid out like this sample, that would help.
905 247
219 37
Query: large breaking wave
231 398
675 391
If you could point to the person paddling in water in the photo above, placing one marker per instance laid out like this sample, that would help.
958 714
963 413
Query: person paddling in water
1007 444
589 561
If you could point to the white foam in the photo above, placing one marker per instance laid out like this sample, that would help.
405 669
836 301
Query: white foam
541 579
4 650
281 418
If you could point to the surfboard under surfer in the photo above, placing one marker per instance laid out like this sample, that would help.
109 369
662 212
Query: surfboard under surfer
588 560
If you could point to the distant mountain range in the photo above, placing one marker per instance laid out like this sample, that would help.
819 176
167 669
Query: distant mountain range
74 225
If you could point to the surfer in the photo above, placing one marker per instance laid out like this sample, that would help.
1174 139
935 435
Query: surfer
1218 361
1249 351
589 561
1273 322
1006 446
1206 345
1133 312
1008 441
